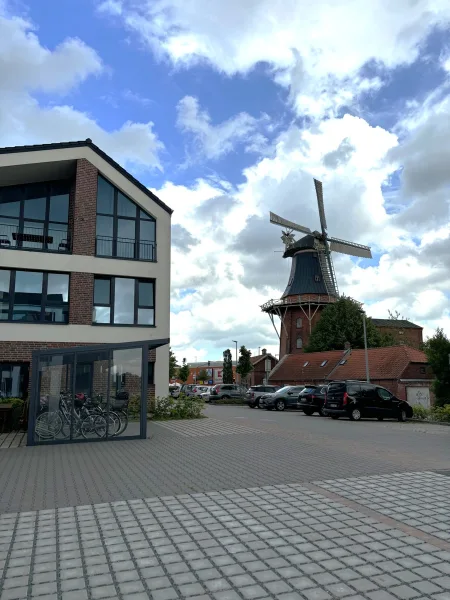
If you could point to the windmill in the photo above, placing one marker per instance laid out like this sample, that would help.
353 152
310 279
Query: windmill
312 281
323 243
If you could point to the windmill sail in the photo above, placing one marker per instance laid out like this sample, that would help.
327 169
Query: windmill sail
350 248
319 194
277 220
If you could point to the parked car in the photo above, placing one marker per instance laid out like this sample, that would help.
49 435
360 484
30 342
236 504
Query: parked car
198 390
174 390
286 397
359 399
312 399
227 390
255 392
187 389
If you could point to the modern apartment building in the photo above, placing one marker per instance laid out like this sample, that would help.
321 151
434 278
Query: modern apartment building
84 259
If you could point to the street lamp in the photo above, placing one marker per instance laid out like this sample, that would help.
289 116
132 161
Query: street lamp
235 342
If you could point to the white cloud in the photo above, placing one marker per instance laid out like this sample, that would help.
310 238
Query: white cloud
318 48
26 67
110 7
214 141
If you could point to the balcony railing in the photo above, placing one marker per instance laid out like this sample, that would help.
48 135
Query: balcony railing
34 238
125 248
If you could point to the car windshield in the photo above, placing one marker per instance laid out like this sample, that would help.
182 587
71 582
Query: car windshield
309 389
284 389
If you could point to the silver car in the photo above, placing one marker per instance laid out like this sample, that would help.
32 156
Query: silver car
227 390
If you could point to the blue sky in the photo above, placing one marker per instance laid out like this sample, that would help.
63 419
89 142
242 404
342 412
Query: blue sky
247 102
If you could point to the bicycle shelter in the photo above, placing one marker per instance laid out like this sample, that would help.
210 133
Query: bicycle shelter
90 393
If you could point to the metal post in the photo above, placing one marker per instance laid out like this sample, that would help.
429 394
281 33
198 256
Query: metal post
365 350
235 342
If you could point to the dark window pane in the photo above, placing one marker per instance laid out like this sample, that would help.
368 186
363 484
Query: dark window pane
32 236
57 238
4 294
59 208
147 230
146 316
124 301
101 314
125 208
35 208
105 197
27 296
8 227
126 238
36 190
146 293
57 307
102 291
105 226
13 380
10 201
144 215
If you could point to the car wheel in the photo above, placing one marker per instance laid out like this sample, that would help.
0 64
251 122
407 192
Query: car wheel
402 416
252 405
355 414
334 417
258 404
280 405
380 418
321 412
308 412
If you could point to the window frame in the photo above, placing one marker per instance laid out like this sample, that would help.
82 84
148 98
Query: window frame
115 216
27 222
299 339
44 295
136 305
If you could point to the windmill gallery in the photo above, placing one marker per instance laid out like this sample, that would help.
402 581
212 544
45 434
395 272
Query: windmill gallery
311 287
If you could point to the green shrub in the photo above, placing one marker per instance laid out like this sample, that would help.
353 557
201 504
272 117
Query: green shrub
134 407
420 412
183 407
441 413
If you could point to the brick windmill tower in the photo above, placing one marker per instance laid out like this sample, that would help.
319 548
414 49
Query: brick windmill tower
312 281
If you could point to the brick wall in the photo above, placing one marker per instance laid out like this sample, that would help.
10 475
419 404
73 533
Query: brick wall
85 208
404 335
258 373
81 298
290 331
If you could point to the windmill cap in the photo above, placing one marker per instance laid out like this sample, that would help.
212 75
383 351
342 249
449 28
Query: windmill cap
305 243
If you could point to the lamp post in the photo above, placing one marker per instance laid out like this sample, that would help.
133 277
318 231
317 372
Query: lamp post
235 342
365 349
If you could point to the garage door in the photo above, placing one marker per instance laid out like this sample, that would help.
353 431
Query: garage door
418 395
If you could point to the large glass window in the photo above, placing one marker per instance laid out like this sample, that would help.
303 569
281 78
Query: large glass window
35 216
14 380
123 229
124 301
34 296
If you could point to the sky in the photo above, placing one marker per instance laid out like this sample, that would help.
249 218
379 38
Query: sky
228 110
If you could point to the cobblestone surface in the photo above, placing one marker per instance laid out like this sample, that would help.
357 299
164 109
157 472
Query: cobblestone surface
286 542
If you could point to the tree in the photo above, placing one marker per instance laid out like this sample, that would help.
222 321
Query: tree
173 365
227 373
437 350
183 372
395 316
342 322
244 366
202 376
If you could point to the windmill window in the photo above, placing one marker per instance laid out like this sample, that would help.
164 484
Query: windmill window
299 323
323 363
306 363
317 277
299 342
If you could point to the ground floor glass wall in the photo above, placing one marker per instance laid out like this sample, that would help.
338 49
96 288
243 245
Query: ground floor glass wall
88 394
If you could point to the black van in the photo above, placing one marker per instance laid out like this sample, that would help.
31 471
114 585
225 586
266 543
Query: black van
359 399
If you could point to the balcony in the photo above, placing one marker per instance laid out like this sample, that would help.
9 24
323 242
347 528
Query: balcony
130 249
34 238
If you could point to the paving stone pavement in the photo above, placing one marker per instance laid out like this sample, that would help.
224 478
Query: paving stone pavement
286 542
401 496
205 427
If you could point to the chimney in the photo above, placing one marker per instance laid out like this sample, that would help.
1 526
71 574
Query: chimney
264 351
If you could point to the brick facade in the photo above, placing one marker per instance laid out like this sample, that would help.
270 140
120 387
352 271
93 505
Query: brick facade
411 336
290 332
85 209
81 298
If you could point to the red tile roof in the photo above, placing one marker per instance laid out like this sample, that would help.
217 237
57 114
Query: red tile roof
384 363
258 357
